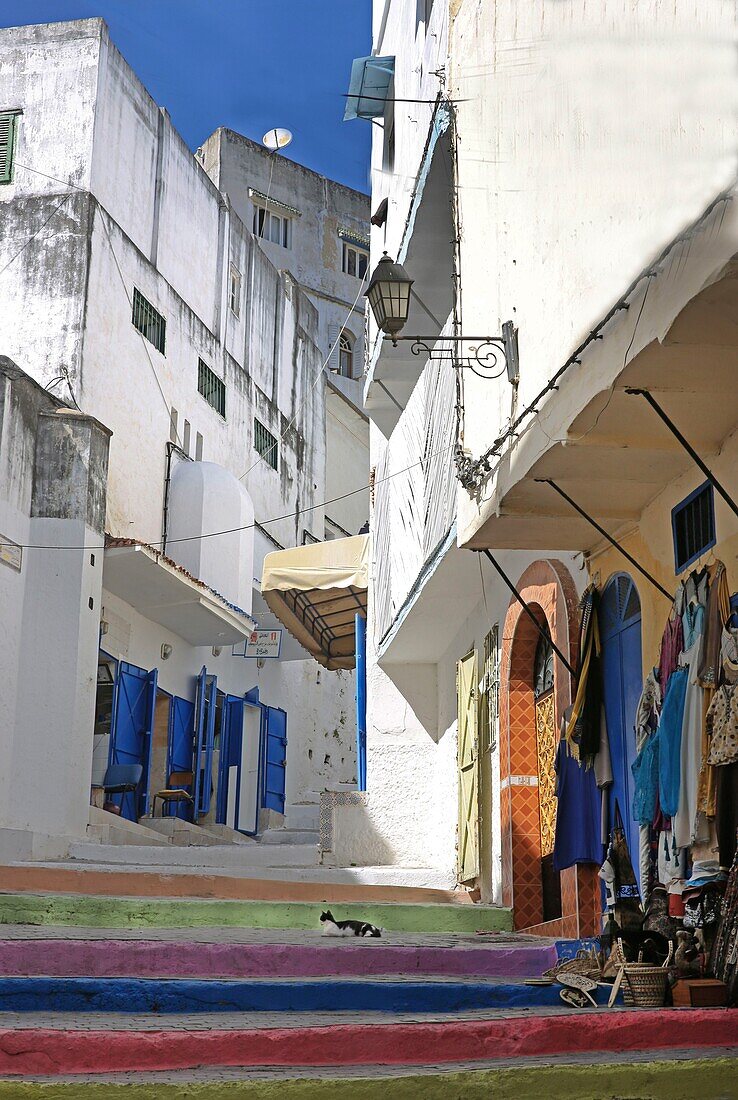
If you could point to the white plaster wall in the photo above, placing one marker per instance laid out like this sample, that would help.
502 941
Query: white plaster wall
347 464
235 164
69 306
589 136
420 52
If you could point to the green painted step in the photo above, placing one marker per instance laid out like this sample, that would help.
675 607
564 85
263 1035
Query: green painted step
675 1079
120 912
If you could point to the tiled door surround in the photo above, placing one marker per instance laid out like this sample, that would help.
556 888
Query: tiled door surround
548 589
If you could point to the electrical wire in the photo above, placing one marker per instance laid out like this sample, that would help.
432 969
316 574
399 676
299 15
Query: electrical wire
246 526
33 236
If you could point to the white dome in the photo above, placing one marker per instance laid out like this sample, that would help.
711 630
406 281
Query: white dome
205 498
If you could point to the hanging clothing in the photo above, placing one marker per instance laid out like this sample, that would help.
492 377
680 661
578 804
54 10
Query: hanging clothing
685 826
583 730
648 709
716 616
645 770
670 741
578 813
707 788
672 644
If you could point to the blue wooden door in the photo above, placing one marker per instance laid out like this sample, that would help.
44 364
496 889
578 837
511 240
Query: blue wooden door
275 759
622 671
230 750
131 740
181 748
207 687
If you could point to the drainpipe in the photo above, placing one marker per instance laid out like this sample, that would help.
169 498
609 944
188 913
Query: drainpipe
360 627
170 449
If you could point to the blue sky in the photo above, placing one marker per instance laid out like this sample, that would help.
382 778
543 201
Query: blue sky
246 64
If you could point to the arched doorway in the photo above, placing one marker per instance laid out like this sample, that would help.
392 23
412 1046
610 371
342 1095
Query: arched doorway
535 689
546 744
622 674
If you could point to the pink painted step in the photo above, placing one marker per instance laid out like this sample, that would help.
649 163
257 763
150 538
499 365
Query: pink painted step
30 1050
169 959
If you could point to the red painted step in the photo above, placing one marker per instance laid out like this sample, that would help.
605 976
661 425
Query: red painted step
56 1052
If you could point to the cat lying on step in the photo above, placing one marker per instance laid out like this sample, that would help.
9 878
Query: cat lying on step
333 927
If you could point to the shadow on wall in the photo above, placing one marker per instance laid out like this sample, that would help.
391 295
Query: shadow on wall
418 685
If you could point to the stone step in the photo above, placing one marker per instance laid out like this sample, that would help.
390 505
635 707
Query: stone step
326 995
289 836
46 1044
303 816
216 855
313 957
662 1075
253 884
106 911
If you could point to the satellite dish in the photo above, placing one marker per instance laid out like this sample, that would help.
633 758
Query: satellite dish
277 139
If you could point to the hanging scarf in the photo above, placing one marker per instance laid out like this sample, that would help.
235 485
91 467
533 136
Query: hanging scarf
583 730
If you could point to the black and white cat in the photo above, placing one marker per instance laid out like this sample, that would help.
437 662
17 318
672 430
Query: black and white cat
333 927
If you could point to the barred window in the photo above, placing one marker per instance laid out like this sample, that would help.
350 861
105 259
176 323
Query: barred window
149 321
8 124
266 444
693 526
211 387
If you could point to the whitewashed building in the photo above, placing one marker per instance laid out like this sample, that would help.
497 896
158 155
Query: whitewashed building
540 165
132 290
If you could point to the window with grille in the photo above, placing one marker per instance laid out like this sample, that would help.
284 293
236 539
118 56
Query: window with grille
693 526
346 356
234 291
8 124
276 228
266 444
211 387
149 321
355 261
489 692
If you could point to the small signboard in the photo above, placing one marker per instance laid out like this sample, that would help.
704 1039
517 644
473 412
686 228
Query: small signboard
264 644
11 553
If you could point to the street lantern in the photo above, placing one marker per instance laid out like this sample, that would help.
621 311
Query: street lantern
389 295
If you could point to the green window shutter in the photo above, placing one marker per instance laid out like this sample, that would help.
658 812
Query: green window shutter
7 140
468 769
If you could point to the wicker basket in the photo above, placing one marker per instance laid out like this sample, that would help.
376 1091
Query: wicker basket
644 986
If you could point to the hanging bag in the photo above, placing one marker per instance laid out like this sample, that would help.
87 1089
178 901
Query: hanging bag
628 911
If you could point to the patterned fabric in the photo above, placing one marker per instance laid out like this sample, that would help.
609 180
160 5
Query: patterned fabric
647 711
722 726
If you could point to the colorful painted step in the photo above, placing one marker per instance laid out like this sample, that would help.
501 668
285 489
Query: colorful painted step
28 1051
132 881
165 912
103 958
184 995
669 1077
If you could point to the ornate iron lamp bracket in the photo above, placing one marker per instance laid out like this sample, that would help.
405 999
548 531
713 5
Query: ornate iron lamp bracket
486 356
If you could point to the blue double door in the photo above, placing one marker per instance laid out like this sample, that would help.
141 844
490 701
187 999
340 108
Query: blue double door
622 672
193 728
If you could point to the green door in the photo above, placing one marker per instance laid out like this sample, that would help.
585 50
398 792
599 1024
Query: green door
468 758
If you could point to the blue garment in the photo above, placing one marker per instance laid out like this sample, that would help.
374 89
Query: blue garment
670 741
645 770
579 813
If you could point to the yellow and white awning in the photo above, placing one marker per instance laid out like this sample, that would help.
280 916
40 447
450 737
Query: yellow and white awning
316 592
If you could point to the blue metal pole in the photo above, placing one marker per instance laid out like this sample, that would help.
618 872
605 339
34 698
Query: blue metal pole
360 630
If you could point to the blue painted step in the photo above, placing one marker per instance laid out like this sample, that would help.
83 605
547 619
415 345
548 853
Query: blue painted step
178 996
